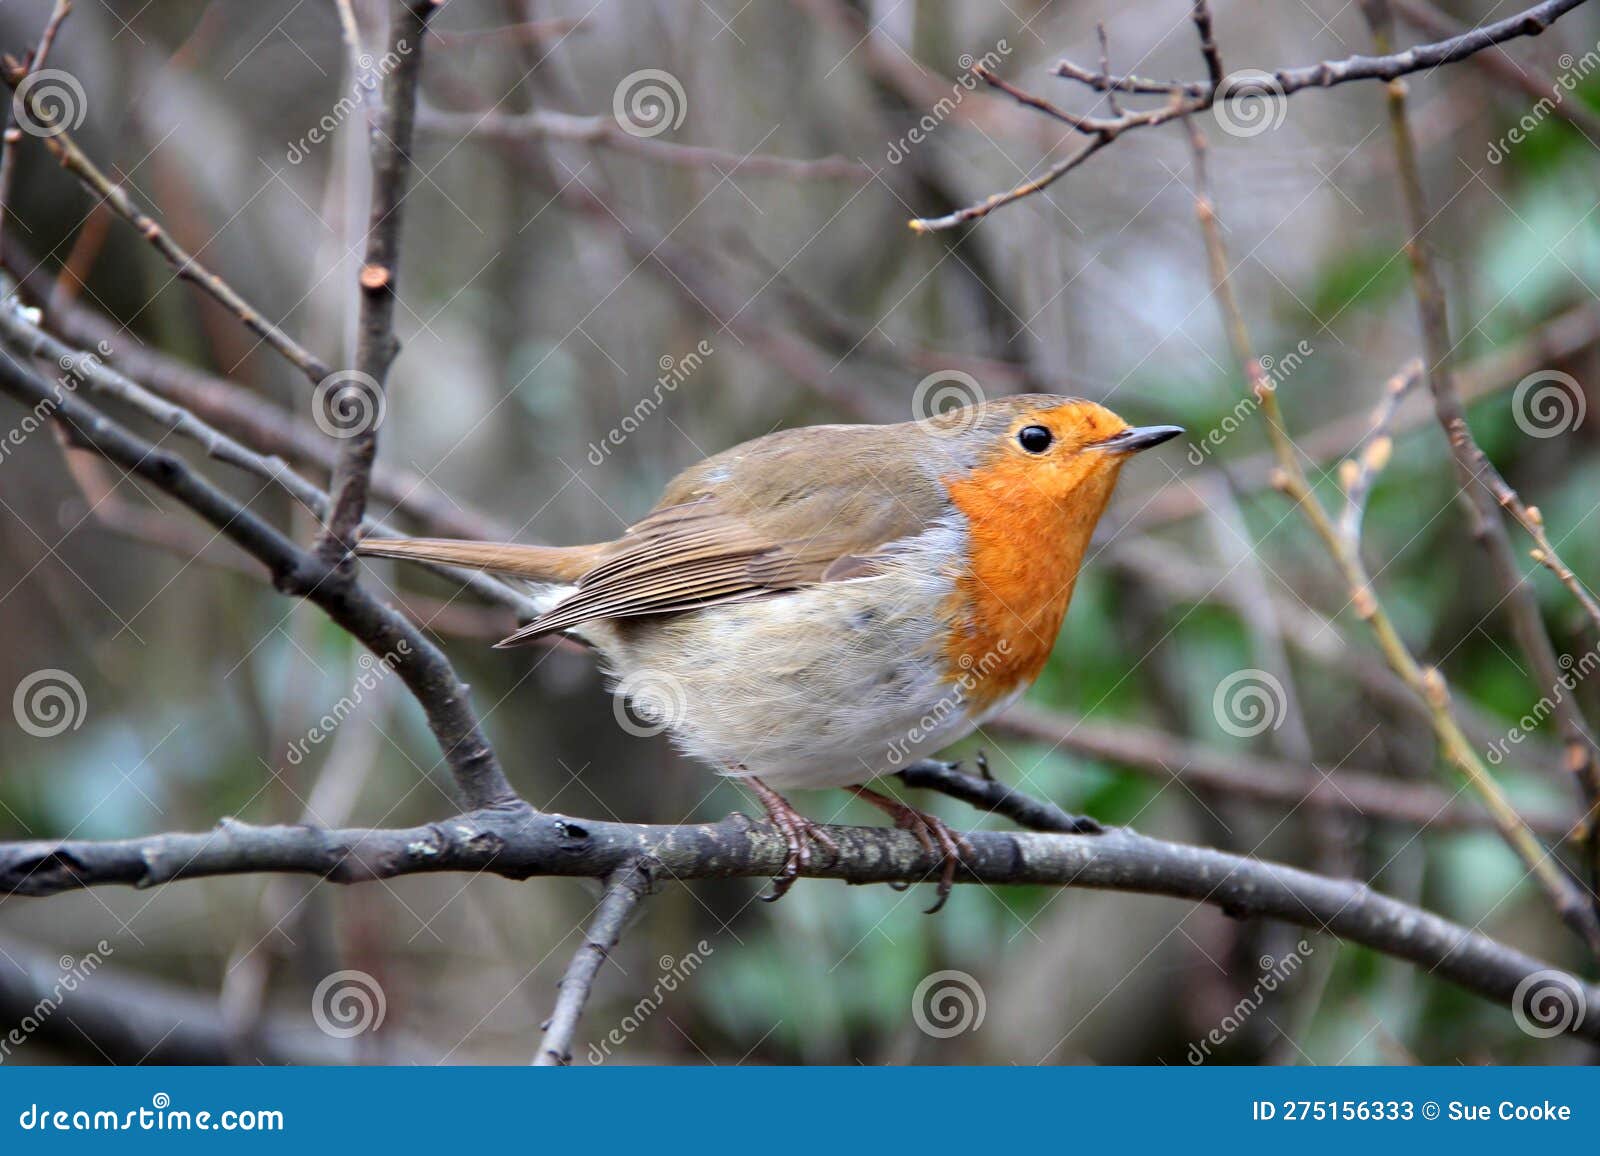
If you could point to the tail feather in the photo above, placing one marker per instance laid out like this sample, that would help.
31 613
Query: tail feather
539 563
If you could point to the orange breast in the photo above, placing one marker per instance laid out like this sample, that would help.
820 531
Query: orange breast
1025 548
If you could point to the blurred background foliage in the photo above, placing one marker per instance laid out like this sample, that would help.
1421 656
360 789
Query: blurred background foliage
544 283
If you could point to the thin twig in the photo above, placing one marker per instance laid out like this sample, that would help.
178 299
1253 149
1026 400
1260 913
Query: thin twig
1427 682
1358 472
605 132
1488 528
624 888
377 344
76 365
77 162
1184 98
11 136
296 572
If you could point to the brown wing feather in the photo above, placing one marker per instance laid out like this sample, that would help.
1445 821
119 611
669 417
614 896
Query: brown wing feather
757 520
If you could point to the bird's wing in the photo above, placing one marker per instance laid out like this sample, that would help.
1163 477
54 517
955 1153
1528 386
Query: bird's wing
788 510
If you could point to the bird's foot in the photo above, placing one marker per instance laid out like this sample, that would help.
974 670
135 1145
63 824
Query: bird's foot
931 831
798 834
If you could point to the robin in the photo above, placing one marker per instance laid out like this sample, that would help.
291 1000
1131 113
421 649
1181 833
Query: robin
821 606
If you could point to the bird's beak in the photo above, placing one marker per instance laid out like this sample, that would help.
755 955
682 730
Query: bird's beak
1139 437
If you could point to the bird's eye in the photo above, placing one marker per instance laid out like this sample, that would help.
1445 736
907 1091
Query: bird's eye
1034 438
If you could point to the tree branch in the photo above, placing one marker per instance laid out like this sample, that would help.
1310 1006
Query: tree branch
77 162
377 344
520 843
625 887
1187 97
1480 502
382 629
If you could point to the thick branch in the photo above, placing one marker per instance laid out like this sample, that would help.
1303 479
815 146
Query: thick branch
519 843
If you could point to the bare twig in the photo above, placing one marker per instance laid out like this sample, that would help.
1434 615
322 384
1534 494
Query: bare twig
603 131
382 629
1184 98
1427 682
1278 783
1358 472
1526 78
12 136
377 344
20 333
77 162
1479 502
624 888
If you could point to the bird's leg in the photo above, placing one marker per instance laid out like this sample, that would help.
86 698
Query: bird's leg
797 831
931 831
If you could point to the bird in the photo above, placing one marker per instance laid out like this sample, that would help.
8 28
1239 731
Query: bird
821 606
